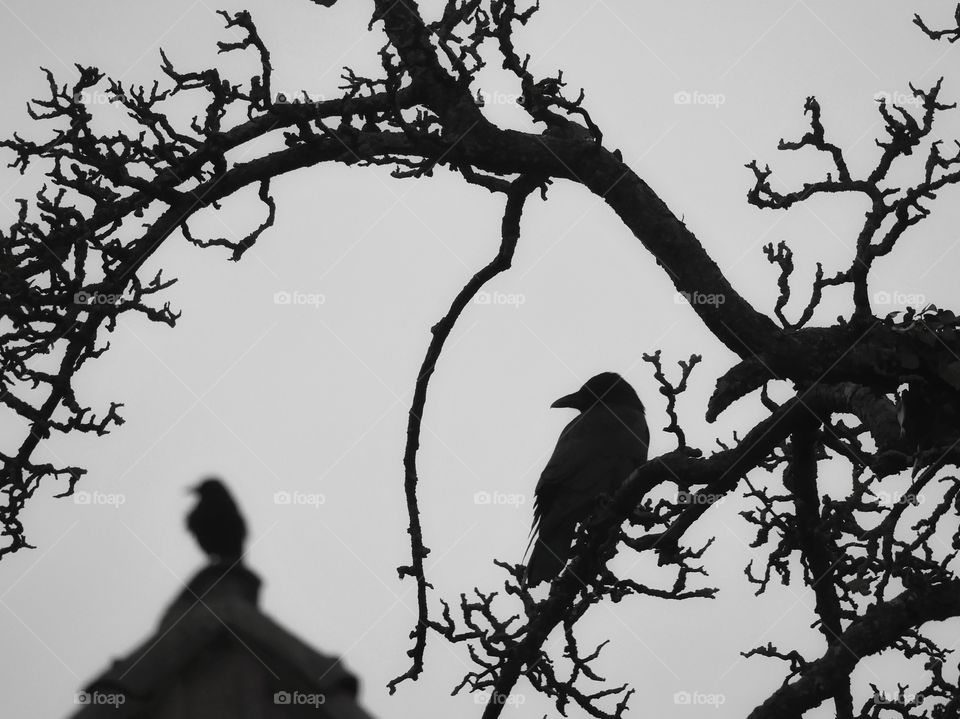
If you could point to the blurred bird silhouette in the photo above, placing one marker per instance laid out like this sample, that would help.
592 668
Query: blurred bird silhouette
595 453
216 522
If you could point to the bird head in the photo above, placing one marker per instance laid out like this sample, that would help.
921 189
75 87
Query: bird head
209 487
606 387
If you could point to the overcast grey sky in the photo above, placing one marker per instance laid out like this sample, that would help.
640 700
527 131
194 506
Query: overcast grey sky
313 397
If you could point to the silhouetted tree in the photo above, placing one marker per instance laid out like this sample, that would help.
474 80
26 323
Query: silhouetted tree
71 265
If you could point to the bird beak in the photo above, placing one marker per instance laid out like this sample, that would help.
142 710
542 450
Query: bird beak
194 489
570 400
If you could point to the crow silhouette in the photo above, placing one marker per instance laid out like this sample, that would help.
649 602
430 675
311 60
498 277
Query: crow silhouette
216 522
594 455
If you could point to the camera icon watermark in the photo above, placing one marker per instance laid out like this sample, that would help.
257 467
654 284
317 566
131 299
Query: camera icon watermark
500 299
96 298
900 699
301 499
100 499
684 497
97 698
897 98
505 700
502 499
96 97
297 97
308 299
498 98
892 499
296 698
696 97
910 299
685 698
714 299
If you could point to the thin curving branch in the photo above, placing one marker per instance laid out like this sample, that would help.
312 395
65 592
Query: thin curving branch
517 195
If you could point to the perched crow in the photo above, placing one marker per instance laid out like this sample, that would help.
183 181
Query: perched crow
216 522
594 455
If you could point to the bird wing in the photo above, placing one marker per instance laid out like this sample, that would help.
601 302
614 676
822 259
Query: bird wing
217 525
568 456
571 504
595 451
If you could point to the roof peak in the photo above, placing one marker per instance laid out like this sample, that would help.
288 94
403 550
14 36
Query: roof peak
217 580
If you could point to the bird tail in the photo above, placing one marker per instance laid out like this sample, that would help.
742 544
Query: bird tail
531 537
550 553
